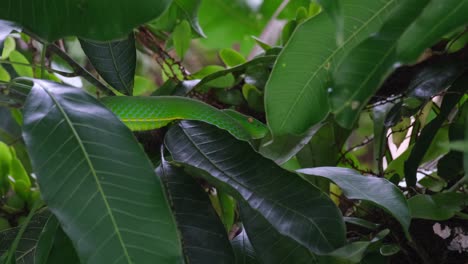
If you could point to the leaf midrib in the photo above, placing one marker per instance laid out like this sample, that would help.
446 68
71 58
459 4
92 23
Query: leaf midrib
93 172
325 61
116 67
274 202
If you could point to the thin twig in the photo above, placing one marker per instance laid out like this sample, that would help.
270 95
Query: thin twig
78 69
34 66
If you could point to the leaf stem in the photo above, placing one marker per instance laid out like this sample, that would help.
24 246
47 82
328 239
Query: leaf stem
78 69
43 57
66 74
24 225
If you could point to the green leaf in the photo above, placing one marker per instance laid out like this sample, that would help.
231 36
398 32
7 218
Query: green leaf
94 20
25 252
231 58
4 75
181 37
8 46
228 209
436 20
96 179
453 95
306 63
376 190
379 114
438 207
270 246
46 240
208 75
396 167
233 22
115 61
243 250
274 193
361 72
143 86
179 10
22 70
203 235
62 249
333 9
224 80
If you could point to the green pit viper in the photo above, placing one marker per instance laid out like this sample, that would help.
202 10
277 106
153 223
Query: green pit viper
141 113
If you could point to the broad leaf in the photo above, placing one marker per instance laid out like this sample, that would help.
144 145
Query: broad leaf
241 19
26 250
361 72
115 61
275 194
204 237
296 96
453 95
270 245
96 179
379 191
439 207
178 11
46 240
333 9
243 250
96 20
62 250
439 18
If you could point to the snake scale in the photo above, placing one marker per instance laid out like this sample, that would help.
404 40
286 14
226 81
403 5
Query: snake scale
141 113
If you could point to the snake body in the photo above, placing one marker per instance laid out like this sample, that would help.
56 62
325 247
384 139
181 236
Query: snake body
141 113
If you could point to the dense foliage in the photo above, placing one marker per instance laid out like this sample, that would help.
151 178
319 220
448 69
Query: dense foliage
215 131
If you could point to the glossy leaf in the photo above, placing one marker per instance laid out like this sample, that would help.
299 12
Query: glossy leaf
96 179
296 96
438 19
362 71
454 94
273 193
95 20
115 61
243 250
376 190
203 235
439 207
